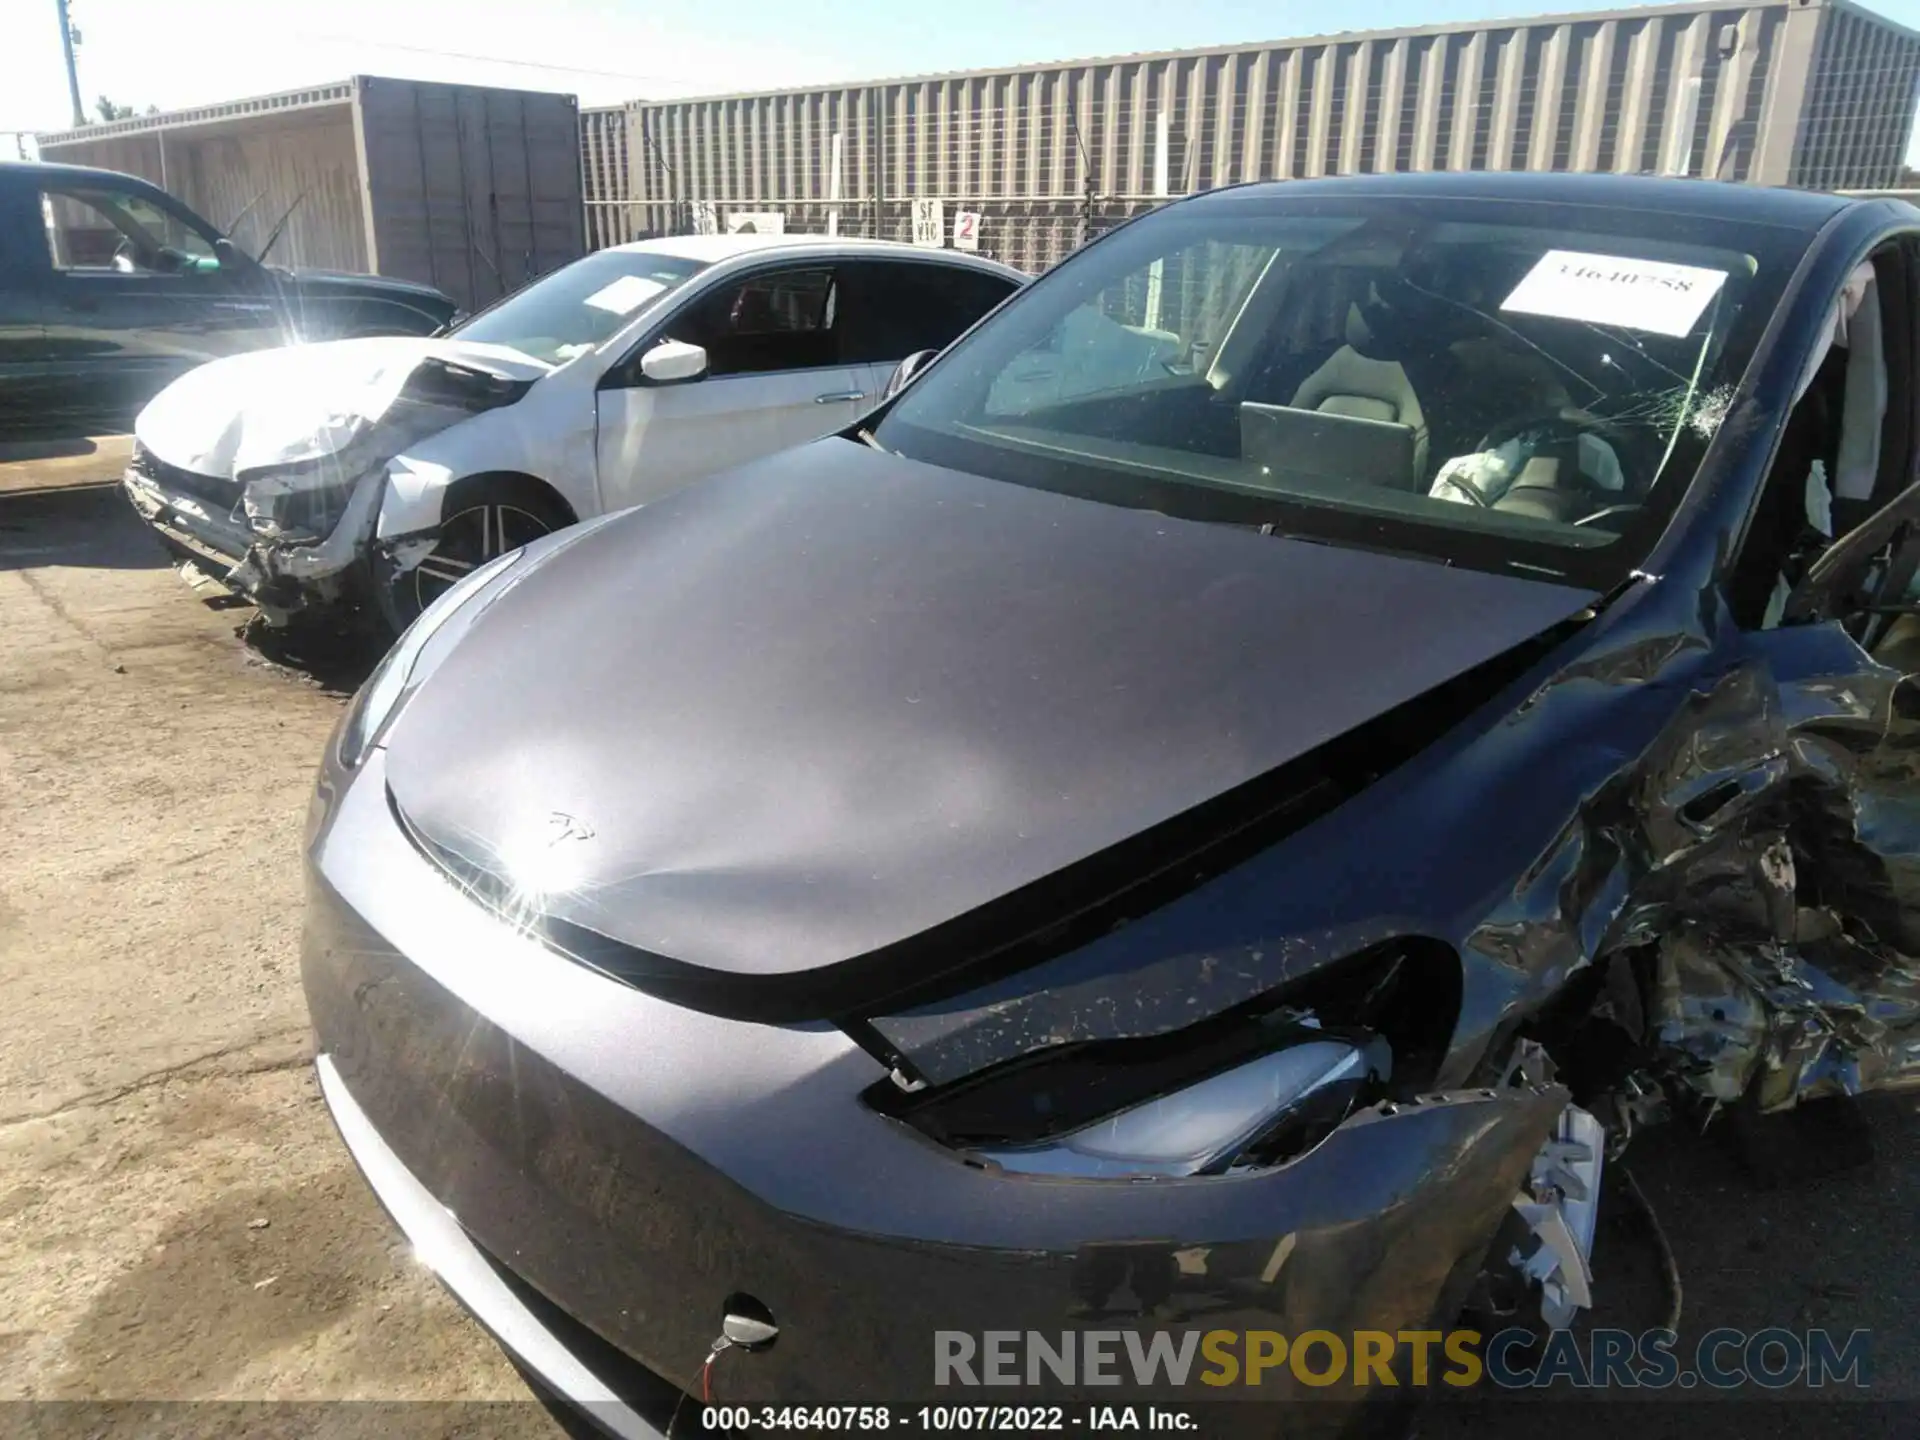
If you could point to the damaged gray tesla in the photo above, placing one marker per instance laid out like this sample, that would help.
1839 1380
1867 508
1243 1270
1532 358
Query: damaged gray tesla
1226 801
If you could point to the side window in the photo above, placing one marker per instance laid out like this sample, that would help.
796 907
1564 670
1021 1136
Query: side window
777 320
1847 446
100 228
894 308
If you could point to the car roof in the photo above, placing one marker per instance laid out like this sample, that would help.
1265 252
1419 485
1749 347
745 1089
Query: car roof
715 248
44 171
1805 210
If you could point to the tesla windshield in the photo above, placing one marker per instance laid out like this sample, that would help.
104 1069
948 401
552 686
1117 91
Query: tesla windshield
1496 384
578 308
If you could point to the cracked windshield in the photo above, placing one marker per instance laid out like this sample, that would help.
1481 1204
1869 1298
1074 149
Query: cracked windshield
1481 381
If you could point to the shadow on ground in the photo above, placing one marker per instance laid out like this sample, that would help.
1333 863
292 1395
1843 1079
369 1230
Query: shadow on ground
48 447
335 654
89 527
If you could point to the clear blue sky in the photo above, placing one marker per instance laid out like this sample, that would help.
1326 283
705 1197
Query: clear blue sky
183 52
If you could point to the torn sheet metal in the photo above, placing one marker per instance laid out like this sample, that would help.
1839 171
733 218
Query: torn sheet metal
1784 1023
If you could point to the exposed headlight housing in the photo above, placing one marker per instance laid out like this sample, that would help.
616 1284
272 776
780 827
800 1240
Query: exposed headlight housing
393 679
1255 1086
301 506
1209 1127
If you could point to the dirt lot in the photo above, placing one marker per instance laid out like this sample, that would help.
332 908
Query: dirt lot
177 1218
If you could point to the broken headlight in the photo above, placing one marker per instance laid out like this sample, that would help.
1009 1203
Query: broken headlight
396 676
1284 1103
300 506
1260 1084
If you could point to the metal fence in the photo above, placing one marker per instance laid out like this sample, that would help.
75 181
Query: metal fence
1809 92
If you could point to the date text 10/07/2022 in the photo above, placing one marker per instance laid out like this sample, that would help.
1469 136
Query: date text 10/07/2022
1017 1419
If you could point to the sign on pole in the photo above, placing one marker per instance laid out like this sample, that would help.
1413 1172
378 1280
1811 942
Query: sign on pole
930 223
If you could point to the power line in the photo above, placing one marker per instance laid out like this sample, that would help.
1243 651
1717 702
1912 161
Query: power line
485 59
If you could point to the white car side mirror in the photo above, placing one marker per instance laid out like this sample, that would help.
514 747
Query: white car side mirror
673 360
907 369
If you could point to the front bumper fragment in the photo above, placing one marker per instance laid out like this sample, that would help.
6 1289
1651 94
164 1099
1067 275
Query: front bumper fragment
192 522
277 573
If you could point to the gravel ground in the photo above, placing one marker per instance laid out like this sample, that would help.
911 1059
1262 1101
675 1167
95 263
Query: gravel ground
177 1219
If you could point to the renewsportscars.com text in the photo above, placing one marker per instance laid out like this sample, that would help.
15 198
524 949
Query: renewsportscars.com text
1722 1359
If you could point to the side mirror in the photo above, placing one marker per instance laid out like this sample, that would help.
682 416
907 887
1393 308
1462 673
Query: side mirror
673 361
907 369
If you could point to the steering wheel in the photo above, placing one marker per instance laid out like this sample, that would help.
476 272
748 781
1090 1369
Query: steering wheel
1554 424
1560 427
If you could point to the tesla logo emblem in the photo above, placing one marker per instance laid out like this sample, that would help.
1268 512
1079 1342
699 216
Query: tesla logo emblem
562 826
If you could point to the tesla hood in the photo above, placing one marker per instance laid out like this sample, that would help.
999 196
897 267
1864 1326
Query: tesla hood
301 402
799 718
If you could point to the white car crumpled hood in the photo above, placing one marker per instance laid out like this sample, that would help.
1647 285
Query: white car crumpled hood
298 402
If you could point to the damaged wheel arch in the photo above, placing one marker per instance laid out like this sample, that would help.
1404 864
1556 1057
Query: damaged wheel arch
481 516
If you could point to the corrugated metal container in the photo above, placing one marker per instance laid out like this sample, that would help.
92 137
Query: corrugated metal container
472 189
605 177
1809 92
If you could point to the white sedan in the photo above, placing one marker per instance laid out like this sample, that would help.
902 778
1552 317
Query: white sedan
320 473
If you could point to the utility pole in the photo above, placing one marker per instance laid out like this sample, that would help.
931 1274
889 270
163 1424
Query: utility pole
73 75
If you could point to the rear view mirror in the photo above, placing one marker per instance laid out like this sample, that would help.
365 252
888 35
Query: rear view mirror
672 361
907 369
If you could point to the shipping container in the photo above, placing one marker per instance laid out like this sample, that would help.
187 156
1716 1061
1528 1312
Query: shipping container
610 219
467 188
1802 92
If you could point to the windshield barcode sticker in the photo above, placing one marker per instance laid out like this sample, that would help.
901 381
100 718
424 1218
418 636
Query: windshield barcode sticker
1614 290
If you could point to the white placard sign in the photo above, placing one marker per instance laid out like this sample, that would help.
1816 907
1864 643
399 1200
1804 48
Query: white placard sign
1616 290
930 223
705 222
756 222
625 295
966 229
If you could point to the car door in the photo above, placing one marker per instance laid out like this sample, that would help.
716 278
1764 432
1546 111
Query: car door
889 309
28 390
140 293
774 378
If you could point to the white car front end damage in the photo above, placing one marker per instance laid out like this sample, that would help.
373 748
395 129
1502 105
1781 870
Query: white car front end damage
272 469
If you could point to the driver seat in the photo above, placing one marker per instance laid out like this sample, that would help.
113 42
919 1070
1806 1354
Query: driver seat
1354 384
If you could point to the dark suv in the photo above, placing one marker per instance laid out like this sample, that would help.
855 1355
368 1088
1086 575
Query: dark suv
110 288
